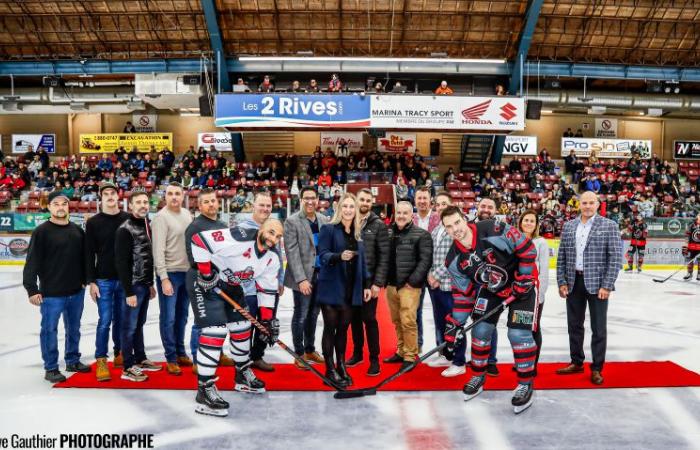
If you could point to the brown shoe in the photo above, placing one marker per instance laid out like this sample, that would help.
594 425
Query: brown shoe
263 365
299 365
173 369
194 369
184 361
314 358
225 361
102 371
570 369
596 377
118 361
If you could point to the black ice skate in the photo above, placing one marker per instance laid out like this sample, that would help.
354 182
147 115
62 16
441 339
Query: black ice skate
474 387
246 381
523 396
689 275
209 401
639 270
628 269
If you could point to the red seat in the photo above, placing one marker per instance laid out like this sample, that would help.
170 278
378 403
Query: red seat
23 207
452 185
33 206
84 207
469 195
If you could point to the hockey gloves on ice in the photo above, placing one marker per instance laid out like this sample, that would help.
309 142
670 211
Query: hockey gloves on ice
273 327
452 335
523 285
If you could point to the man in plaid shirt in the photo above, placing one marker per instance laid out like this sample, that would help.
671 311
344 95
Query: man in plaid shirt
440 291
589 260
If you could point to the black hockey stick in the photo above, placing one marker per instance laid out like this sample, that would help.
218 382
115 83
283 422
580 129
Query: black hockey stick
354 393
657 280
244 312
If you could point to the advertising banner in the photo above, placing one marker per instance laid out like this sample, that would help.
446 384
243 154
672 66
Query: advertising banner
662 251
109 142
221 141
330 141
606 148
520 145
29 221
668 227
21 142
686 150
7 222
144 123
13 248
606 128
369 111
397 143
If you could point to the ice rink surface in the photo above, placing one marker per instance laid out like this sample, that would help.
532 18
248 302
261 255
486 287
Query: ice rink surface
646 321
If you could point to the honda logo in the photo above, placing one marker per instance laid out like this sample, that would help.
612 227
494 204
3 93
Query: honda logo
476 111
508 111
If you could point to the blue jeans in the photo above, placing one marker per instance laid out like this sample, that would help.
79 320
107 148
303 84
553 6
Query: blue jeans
304 320
258 344
109 306
71 307
173 316
194 341
494 346
133 319
419 319
442 306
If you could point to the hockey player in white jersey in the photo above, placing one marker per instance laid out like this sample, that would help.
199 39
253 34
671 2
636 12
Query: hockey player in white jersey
227 258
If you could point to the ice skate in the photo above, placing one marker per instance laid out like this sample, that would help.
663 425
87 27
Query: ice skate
209 401
474 387
246 381
523 396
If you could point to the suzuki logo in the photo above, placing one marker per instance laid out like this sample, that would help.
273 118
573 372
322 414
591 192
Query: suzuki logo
476 111
508 111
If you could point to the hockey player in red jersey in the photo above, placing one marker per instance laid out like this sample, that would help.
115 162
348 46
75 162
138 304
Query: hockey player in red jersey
226 259
692 251
489 262
638 232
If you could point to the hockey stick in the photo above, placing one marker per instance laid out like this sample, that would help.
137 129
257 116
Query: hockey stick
462 331
244 312
693 261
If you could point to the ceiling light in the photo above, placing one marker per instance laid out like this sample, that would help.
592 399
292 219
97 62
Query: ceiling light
351 59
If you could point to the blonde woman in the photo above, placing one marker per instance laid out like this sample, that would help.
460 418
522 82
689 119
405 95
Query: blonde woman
529 225
343 282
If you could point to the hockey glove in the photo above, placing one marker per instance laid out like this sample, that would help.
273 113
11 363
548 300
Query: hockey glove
523 285
452 335
207 282
273 327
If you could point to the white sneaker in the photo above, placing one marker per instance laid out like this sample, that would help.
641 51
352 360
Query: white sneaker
453 371
440 361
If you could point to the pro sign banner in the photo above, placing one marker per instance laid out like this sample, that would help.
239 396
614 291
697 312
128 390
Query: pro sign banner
109 142
353 111
606 148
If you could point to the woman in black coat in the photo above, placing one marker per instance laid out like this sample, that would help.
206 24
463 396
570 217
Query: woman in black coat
343 282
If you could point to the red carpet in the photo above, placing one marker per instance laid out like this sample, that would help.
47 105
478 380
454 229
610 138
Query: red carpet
639 374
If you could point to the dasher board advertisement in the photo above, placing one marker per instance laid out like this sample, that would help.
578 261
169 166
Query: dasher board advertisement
353 111
109 142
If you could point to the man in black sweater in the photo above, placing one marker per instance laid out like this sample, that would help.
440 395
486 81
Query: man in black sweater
208 205
134 263
56 258
364 318
105 289
410 259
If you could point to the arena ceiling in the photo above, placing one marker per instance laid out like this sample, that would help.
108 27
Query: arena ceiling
665 33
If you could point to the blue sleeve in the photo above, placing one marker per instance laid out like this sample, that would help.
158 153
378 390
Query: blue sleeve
325 246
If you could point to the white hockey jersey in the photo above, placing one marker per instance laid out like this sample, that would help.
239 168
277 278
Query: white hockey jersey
235 255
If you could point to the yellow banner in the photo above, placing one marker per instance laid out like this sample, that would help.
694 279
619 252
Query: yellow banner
109 142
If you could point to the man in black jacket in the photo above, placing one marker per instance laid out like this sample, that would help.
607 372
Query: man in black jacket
410 258
134 262
55 258
376 242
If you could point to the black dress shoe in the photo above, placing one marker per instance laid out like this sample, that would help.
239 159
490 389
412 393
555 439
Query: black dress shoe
492 370
77 367
355 360
333 376
373 370
343 374
406 364
394 359
54 376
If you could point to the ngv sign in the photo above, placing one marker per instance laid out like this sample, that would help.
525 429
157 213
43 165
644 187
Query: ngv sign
520 145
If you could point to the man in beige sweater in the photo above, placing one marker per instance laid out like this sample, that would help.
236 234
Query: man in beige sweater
170 260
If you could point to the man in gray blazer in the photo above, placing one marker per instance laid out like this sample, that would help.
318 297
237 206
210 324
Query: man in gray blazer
589 260
300 244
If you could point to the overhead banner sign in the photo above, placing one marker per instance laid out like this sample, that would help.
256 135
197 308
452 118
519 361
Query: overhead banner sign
144 123
606 128
686 149
109 142
331 141
520 145
606 148
397 143
21 142
427 112
221 141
